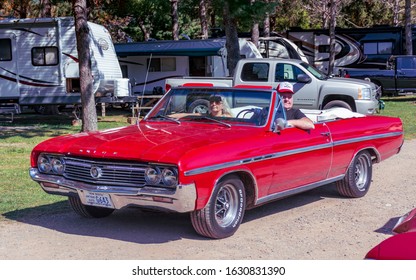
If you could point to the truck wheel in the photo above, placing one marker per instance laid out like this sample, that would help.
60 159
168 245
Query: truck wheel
224 212
357 180
88 211
47 109
337 103
200 106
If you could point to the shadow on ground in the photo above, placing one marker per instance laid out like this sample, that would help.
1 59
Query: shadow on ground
146 227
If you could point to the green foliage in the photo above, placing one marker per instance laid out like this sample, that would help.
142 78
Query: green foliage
365 13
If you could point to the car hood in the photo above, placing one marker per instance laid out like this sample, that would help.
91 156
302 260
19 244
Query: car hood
150 141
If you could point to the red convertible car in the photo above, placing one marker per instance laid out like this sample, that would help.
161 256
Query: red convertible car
401 246
214 167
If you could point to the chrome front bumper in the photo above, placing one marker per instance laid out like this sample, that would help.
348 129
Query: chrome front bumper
182 199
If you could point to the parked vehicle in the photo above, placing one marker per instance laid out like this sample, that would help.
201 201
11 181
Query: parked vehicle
148 64
214 167
401 246
356 48
39 63
313 89
398 78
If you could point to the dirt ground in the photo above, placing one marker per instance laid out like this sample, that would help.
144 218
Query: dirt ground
316 225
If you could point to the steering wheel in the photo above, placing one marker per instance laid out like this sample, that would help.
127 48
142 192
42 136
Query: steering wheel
244 112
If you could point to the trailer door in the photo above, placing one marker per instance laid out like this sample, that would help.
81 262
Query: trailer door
8 67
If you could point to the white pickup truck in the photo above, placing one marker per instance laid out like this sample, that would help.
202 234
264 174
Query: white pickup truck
313 89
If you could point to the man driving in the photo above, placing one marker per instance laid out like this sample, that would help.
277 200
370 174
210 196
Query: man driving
294 117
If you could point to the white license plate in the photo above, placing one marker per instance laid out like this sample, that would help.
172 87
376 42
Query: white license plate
98 199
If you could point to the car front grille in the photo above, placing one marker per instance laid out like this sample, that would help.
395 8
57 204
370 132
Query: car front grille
104 172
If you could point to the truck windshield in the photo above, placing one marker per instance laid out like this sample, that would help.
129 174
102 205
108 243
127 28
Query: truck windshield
230 106
318 74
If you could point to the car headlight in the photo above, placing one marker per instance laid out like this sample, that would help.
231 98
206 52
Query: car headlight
58 166
169 177
162 176
44 164
152 175
364 93
51 164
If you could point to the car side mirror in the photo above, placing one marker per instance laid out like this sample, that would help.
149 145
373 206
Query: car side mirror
303 78
279 124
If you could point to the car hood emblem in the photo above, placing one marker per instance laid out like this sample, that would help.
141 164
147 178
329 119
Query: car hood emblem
96 172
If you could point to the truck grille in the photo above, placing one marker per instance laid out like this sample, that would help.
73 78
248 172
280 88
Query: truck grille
105 173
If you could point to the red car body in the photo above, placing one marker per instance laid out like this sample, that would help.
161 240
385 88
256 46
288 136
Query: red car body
401 246
213 168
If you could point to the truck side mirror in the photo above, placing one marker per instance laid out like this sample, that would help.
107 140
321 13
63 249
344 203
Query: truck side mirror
303 78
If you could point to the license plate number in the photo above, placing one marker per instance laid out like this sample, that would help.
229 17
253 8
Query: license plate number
98 199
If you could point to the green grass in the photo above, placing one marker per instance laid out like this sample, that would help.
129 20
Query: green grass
21 197
405 108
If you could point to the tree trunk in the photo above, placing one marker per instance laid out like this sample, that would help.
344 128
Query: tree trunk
332 25
203 19
408 27
89 113
231 35
175 20
46 8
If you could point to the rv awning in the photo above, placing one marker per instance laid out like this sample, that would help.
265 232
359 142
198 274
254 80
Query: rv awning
207 47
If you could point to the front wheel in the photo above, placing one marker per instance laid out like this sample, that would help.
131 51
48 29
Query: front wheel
88 211
357 180
224 212
337 103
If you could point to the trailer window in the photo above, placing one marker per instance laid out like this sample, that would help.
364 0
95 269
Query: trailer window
5 50
44 56
378 48
165 64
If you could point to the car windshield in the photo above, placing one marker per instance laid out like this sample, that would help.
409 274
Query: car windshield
318 74
221 106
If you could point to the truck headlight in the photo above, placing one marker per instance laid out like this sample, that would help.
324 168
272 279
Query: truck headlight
364 93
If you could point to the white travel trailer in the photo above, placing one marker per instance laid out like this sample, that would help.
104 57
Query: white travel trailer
39 63
148 64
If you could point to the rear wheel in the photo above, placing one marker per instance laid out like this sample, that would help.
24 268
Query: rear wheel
88 211
224 212
357 180
337 103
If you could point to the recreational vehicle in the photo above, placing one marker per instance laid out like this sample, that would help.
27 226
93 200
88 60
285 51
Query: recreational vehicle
362 48
39 63
148 64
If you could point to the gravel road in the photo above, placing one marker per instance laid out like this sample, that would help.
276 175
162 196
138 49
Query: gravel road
316 225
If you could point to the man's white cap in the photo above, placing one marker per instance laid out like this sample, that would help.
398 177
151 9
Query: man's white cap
285 87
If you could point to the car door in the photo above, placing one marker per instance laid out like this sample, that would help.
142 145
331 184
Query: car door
8 67
302 157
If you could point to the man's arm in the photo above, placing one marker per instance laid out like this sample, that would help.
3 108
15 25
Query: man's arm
303 123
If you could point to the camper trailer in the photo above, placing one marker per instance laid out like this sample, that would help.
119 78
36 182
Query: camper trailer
39 63
148 64
356 48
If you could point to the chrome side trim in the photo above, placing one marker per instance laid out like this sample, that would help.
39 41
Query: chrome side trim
255 159
367 138
235 163
290 192
182 199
